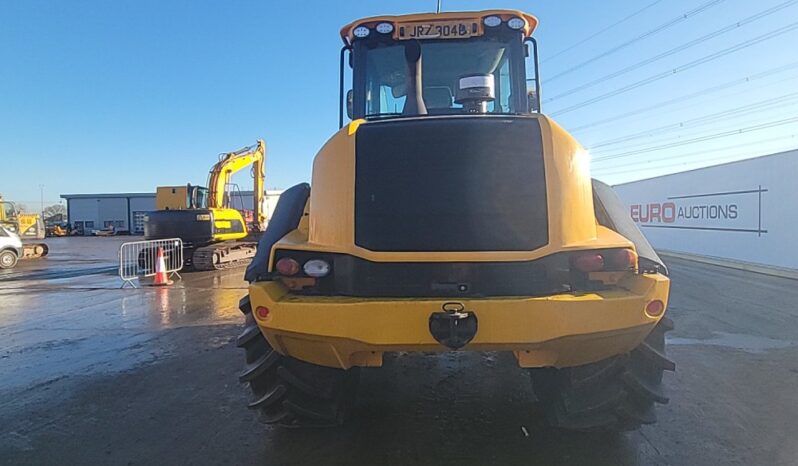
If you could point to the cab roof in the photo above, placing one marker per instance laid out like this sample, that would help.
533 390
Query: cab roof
531 21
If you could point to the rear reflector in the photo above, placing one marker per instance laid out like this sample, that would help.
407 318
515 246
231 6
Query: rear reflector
655 308
262 312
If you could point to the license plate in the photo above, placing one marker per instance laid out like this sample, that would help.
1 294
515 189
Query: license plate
439 30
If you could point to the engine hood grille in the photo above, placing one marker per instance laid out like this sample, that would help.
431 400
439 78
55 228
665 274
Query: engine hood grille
451 184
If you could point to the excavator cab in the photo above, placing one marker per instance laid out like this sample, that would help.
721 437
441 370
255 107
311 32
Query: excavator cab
8 215
181 197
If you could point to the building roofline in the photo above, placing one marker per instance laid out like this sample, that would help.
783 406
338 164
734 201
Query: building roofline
140 195
106 195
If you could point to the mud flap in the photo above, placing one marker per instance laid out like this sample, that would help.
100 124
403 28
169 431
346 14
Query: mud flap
454 327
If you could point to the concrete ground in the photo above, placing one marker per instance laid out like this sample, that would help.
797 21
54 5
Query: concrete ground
94 374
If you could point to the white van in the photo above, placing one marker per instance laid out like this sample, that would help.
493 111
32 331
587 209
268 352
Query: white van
10 248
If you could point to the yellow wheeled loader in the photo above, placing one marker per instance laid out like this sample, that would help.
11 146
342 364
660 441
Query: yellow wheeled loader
450 214
29 227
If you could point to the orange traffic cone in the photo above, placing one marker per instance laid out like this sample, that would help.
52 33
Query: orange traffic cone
161 279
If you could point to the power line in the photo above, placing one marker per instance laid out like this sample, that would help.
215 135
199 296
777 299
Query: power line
595 34
699 139
693 95
675 50
733 125
657 29
679 69
701 163
628 166
775 102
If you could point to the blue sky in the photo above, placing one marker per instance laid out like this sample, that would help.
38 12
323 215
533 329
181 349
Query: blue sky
100 96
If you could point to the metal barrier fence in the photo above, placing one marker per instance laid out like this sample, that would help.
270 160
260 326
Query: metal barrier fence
139 258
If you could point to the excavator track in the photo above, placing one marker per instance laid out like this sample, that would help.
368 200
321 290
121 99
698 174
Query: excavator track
34 250
224 255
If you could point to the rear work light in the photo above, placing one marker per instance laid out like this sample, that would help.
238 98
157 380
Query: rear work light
491 21
385 28
287 266
609 260
516 23
361 32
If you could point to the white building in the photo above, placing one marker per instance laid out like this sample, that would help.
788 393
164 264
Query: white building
125 211
742 211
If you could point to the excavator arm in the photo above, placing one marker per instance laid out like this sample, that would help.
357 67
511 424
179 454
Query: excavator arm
233 162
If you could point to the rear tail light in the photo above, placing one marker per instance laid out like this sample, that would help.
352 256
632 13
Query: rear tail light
588 262
620 259
287 266
609 260
316 268
303 271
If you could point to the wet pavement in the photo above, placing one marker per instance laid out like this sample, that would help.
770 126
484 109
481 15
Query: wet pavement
90 373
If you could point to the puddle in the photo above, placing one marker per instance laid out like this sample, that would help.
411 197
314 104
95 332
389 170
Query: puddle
739 341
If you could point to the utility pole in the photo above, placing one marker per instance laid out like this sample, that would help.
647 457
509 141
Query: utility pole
41 200
439 6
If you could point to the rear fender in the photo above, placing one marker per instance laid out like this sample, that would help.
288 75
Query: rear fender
287 215
612 213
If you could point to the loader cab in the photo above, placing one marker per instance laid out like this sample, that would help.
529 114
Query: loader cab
8 215
462 63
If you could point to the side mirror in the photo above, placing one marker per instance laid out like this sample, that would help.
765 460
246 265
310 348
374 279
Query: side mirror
532 102
349 103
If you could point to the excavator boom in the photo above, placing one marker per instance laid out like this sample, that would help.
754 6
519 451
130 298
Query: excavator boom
231 163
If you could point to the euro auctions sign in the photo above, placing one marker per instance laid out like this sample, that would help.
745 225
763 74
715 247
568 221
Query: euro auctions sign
738 210
745 211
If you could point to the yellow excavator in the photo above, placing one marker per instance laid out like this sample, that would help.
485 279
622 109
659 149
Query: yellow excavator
29 227
215 234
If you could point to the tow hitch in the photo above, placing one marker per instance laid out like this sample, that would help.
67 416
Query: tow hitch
453 327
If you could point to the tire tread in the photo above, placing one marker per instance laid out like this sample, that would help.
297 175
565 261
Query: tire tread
615 394
289 392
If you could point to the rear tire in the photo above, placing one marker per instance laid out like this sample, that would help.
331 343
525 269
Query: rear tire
614 394
289 392
8 259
